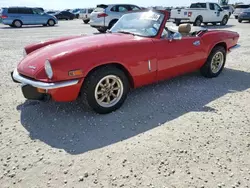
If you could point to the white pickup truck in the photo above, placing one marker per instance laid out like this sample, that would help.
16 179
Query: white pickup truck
199 13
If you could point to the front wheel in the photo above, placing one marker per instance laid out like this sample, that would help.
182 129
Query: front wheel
105 89
51 23
224 20
239 20
215 62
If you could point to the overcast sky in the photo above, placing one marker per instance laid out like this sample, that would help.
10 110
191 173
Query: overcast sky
62 4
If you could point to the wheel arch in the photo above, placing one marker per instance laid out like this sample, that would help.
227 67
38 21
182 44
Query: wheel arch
114 20
223 44
199 16
17 20
117 65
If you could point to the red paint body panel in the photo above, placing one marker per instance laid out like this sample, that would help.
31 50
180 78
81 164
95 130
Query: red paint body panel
167 58
66 94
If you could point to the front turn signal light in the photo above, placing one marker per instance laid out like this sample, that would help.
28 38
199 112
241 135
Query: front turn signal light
76 72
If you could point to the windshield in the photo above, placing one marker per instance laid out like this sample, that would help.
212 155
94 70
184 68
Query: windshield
146 24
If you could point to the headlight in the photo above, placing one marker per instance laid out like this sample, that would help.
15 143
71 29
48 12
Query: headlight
48 69
24 53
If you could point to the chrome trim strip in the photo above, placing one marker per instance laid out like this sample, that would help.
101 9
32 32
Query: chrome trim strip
149 65
234 47
42 85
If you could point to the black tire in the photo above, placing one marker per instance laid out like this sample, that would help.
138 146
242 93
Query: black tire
236 17
17 24
239 20
177 22
206 69
198 21
89 85
102 30
12 26
224 20
51 23
112 23
86 21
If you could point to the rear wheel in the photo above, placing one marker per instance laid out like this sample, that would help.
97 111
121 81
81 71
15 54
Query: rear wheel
17 23
102 30
198 21
177 22
105 89
236 17
112 23
239 20
86 21
215 62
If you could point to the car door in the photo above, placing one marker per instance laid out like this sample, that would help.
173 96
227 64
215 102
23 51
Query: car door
38 16
213 14
27 16
179 56
218 12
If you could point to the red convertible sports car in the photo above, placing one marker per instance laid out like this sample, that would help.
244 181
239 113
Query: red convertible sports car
138 50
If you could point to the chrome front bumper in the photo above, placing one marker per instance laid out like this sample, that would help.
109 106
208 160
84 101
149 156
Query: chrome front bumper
42 85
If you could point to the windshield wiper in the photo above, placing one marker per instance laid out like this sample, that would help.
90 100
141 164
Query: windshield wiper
125 32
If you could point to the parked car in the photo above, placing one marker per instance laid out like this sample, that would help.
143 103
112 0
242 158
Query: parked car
138 50
245 15
64 15
51 12
229 8
76 12
19 16
105 16
85 14
240 8
199 13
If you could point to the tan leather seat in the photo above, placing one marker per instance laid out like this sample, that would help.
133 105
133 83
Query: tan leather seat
184 29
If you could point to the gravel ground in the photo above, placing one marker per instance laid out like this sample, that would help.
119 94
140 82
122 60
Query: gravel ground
186 132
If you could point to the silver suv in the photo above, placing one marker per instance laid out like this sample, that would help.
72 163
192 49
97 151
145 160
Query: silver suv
105 16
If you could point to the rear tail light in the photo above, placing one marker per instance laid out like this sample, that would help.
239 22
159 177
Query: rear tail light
102 15
189 14
4 17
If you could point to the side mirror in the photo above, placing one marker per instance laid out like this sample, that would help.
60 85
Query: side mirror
176 36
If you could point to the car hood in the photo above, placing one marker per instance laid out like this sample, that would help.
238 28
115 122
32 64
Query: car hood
33 63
